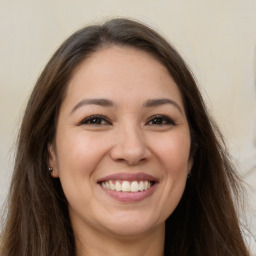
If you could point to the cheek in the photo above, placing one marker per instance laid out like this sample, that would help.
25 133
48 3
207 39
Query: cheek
77 159
173 155
78 154
173 152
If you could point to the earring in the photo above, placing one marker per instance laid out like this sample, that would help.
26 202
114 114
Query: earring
50 169
189 175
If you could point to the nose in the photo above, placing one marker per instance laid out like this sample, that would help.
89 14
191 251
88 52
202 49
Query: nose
130 146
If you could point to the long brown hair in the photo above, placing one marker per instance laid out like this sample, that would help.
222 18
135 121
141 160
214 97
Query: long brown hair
37 224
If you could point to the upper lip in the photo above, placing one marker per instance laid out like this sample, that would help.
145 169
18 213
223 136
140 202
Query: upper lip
129 177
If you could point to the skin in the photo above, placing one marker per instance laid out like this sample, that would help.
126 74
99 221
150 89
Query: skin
128 139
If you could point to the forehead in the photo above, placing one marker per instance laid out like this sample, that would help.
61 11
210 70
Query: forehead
119 72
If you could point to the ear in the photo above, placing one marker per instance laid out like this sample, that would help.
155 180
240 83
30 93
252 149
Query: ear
52 160
191 157
190 164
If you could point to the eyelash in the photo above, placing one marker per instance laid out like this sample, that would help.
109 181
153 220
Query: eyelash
96 120
154 120
161 120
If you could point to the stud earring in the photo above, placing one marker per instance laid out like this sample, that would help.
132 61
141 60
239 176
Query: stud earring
50 169
189 175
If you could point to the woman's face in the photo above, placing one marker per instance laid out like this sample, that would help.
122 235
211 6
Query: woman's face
122 144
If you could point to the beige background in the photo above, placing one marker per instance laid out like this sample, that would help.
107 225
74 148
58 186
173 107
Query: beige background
216 37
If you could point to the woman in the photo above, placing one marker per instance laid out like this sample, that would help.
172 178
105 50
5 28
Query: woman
117 155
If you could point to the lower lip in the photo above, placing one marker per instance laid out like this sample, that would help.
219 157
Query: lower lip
130 196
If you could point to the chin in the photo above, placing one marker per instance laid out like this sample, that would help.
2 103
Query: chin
131 225
130 230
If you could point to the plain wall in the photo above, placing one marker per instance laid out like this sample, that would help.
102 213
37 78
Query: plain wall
217 38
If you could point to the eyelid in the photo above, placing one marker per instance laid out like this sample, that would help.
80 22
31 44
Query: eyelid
169 120
91 117
166 120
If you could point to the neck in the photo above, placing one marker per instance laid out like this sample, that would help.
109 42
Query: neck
99 244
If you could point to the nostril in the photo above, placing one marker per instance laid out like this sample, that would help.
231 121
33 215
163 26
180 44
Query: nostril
131 161
136 161
129 151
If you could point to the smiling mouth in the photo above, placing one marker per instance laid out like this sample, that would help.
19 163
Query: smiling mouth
127 186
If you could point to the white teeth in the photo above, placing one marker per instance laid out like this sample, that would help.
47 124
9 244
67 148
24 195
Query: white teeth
126 186
112 186
107 185
134 186
118 186
147 184
141 186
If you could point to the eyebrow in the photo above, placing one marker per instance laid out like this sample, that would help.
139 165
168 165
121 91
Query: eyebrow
162 101
109 103
99 102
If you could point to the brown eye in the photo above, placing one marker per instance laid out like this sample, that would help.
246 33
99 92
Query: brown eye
160 120
96 120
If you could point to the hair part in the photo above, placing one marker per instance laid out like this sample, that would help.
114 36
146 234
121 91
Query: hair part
204 222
